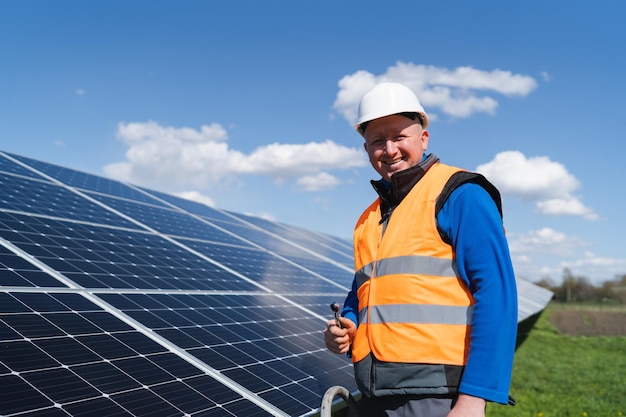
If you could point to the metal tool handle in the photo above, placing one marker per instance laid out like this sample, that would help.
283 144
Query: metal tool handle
335 308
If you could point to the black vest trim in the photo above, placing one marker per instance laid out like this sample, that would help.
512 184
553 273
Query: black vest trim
464 177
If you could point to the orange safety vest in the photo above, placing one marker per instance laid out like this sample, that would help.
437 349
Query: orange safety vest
413 308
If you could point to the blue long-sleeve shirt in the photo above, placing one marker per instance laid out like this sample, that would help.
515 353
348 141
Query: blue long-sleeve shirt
471 221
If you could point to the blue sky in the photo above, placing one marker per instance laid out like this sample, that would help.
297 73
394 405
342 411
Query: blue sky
249 105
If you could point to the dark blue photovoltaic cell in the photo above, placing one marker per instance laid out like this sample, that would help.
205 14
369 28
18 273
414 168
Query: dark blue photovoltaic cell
265 268
98 257
335 249
265 240
86 181
52 365
44 198
261 341
340 249
191 206
171 222
342 276
17 272
11 167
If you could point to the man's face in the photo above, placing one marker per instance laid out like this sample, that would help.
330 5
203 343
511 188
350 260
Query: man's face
394 143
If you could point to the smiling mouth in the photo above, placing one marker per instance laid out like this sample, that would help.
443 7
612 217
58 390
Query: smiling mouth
394 162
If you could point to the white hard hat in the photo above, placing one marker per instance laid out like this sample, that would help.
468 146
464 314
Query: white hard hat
386 99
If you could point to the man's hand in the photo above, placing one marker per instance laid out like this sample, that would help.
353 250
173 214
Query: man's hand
468 406
338 339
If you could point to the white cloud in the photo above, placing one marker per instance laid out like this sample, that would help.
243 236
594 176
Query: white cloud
544 241
318 182
351 89
590 260
529 178
543 252
569 206
538 179
80 92
288 160
132 133
547 252
459 93
197 197
175 158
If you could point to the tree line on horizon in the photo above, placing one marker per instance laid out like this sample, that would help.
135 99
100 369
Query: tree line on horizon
580 289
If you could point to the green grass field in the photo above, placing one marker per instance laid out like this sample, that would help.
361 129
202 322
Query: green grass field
558 375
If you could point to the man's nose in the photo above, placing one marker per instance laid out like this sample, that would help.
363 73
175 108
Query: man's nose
390 147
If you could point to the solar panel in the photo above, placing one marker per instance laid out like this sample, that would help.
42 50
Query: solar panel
131 302
122 301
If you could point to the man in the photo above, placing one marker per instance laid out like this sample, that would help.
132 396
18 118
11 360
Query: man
431 320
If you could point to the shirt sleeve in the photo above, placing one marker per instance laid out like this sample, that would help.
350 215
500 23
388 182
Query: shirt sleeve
351 305
472 222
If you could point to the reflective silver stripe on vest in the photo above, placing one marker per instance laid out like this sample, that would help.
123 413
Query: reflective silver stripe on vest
417 313
425 265
363 315
363 274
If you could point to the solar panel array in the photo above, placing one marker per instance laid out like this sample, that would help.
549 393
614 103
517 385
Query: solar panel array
117 300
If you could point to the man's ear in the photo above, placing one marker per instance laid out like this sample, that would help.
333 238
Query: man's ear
425 137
